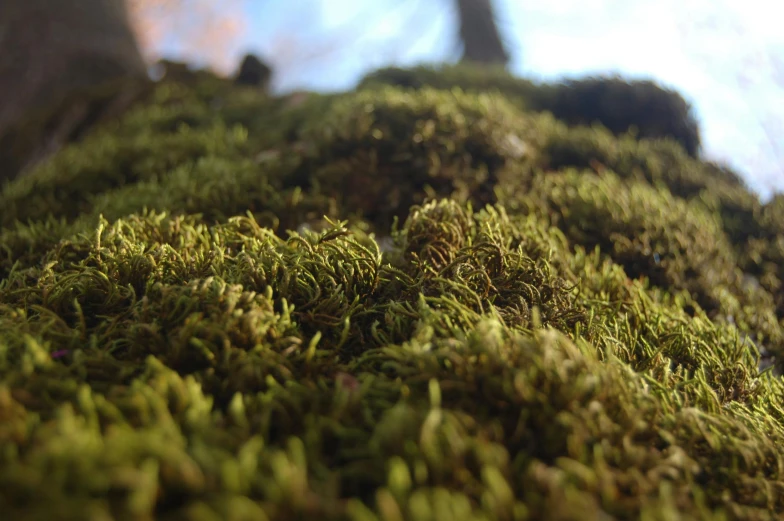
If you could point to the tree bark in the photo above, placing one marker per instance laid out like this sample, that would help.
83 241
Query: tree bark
479 32
50 49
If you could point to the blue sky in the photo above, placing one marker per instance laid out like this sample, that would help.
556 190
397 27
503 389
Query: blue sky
725 56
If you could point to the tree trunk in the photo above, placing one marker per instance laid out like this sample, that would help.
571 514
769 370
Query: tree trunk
49 50
479 32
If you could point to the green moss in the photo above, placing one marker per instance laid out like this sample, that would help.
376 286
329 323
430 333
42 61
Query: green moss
380 305
65 186
763 251
642 107
383 150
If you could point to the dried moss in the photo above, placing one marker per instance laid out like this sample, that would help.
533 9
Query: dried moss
389 304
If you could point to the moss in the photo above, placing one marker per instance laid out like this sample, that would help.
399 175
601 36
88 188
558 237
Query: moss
647 231
66 119
385 304
641 106
667 242
446 77
384 150
763 251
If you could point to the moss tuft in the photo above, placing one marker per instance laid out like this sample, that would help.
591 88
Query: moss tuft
396 303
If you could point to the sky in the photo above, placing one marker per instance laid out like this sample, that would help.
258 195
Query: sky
726 57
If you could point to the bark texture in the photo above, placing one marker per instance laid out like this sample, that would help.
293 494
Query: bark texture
479 32
49 50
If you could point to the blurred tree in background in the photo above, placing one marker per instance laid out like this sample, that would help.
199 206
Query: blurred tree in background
52 47
481 39
66 65
54 54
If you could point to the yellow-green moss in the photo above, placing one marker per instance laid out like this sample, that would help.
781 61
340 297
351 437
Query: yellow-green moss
641 106
387 304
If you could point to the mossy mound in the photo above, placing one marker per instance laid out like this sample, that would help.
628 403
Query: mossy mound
668 242
381 152
641 106
419 303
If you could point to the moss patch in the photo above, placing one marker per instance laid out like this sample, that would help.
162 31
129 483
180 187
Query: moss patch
418 303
